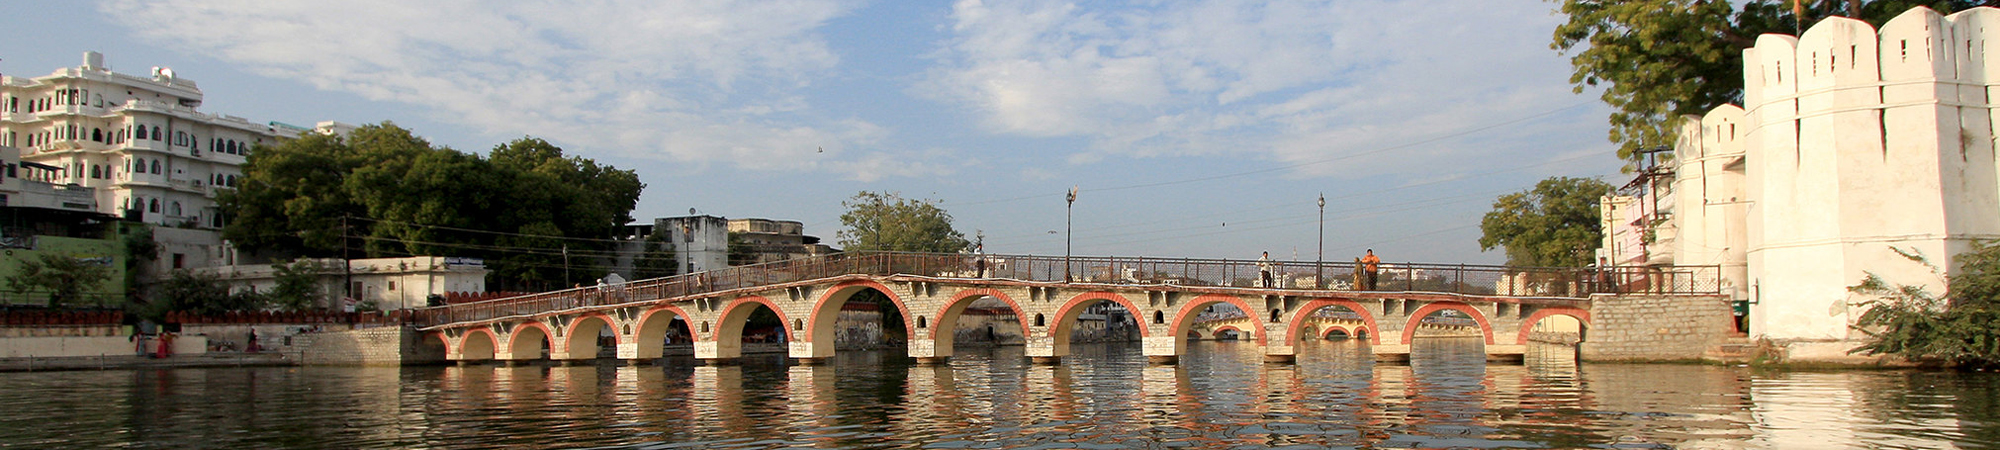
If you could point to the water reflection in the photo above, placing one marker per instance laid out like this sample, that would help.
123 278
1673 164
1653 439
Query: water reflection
1103 396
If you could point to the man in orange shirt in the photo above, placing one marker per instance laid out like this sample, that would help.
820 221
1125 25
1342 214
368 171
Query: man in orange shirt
1373 267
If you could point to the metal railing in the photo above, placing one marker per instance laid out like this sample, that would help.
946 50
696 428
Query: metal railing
1445 278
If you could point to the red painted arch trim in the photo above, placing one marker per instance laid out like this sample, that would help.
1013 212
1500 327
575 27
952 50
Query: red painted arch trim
1189 310
1299 318
1528 326
1410 328
820 305
1218 331
1087 297
972 295
1332 328
647 317
783 322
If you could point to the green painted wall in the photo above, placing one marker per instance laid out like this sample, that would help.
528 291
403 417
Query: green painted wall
111 250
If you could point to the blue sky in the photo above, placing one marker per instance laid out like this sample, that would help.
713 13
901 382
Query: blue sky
1196 129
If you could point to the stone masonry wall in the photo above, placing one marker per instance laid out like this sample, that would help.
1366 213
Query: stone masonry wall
385 346
1651 327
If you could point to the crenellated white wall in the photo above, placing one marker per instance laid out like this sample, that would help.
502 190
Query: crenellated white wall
1851 142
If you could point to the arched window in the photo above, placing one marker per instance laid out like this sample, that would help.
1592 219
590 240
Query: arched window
97 134
153 205
96 172
157 135
1159 317
1039 321
174 209
156 167
231 181
1274 315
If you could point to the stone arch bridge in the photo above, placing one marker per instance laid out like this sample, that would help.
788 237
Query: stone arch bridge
1046 294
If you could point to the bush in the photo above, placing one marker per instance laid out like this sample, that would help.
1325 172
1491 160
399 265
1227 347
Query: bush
1961 327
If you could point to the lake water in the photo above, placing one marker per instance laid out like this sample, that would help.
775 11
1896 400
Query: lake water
1104 397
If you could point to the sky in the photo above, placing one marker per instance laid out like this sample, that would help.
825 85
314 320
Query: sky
1190 129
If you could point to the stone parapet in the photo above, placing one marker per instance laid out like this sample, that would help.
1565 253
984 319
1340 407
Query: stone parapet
1652 327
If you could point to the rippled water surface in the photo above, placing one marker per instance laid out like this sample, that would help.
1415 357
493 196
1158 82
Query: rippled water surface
1103 397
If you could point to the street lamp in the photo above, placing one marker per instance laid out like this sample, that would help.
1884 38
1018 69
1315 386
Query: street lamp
1319 268
1069 215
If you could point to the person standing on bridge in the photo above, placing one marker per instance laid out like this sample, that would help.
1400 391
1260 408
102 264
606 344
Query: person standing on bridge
1264 269
1372 266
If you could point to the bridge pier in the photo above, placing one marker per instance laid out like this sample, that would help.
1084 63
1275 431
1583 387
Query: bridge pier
1506 354
1044 350
1162 349
1275 352
1391 353
927 352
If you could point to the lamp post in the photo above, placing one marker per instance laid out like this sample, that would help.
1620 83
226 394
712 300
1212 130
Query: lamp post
1319 268
1069 214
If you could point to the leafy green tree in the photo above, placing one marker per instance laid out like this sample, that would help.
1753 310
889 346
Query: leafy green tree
403 196
1961 327
298 285
657 259
140 251
1660 59
1555 224
65 277
199 294
887 221
741 252
291 197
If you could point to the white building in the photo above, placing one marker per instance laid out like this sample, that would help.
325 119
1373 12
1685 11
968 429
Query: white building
389 283
140 144
1852 143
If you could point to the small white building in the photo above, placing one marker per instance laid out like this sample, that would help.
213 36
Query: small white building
387 283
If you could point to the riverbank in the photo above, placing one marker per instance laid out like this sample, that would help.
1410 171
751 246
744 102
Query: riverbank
122 362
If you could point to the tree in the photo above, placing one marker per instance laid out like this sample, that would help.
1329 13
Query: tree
1555 224
1961 327
64 276
403 196
1661 59
887 221
741 252
199 294
298 285
657 260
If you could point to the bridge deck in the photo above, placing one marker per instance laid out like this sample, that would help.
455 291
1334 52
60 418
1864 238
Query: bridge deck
1414 281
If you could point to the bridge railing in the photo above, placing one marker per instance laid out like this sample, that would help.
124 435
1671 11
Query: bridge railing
1339 275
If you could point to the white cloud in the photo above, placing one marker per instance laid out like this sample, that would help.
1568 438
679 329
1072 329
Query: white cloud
1291 80
703 82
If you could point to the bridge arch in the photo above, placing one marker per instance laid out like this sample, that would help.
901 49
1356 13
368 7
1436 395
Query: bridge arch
580 340
943 330
1293 334
1331 329
477 344
1528 325
728 331
527 341
1184 318
1218 332
1416 319
824 321
651 335
1065 319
